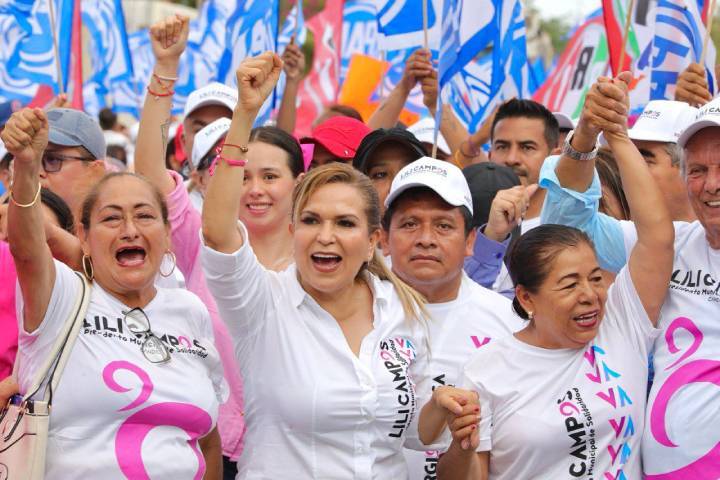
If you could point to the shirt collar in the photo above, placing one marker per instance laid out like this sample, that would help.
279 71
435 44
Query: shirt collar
381 291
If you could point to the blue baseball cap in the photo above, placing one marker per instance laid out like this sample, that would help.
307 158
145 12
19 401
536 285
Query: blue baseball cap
74 128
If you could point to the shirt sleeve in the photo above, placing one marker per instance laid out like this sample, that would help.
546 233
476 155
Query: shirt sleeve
564 206
241 287
35 346
486 261
486 411
185 223
625 310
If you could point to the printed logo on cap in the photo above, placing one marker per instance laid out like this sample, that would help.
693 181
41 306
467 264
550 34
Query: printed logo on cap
651 114
417 169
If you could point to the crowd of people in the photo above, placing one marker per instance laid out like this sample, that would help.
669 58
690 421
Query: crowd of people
345 305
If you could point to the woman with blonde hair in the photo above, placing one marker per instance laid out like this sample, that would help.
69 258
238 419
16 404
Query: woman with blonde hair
332 349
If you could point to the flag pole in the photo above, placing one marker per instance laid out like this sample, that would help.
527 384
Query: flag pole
626 31
61 84
425 23
426 45
708 29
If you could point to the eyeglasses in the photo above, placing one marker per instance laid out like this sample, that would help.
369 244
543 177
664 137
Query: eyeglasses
153 349
53 162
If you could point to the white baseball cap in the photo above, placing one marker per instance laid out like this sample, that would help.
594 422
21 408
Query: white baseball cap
207 137
662 121
444 178
213 94
707 116
424 130
564 121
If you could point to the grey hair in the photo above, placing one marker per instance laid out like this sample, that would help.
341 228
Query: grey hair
675 153
682 160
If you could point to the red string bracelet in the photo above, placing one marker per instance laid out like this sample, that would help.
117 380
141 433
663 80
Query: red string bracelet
158 95
241 162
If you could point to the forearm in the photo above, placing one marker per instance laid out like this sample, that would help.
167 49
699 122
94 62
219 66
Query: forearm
212 452
222 199
64 246
573 174
456 135
431 423
388 113
154 128
288 107
459 464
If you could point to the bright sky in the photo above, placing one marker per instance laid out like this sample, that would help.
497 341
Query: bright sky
571 9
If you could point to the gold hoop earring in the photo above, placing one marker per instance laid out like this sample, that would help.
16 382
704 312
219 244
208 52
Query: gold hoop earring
174 264
87 265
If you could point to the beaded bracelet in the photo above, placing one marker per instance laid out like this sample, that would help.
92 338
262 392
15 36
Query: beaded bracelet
26 205
158 95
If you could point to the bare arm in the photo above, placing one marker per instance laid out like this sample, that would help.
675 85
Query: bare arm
256 77
168 38
459 464
449 403
651 259
212 452
294 66
64 246
25 137
386 116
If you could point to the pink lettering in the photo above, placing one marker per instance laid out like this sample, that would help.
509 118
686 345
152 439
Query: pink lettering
613 453
687 325
109 379
608 397
479 343
617 427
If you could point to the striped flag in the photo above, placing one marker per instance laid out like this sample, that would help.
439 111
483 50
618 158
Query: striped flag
585 59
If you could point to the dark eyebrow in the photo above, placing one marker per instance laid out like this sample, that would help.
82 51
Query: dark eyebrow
575 276
528 142
135 207
646 153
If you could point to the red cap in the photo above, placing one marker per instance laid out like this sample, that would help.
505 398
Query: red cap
341 136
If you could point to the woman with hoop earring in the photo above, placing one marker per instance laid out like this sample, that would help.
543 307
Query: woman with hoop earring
144 356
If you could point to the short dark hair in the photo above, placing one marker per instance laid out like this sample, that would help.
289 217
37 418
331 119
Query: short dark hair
107 119
281 139
5 161
417 192
532 256
92 197
59 208
345 111
519 107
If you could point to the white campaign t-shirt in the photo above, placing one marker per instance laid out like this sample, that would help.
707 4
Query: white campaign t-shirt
457 329
115 415
315 410
682 434
567 413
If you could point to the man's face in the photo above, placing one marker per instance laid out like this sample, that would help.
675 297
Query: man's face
667 176
428 245
323 156
198 119
702 157
519 143
74 176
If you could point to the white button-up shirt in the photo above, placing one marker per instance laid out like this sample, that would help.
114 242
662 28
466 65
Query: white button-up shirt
313 408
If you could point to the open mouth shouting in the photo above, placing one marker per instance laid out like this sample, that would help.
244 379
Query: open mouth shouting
326 262
130 256
588 319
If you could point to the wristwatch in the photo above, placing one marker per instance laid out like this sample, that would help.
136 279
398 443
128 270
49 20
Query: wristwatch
574 154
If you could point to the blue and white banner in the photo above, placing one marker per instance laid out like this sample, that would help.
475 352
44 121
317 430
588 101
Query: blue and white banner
129 94
27 57
400 23
679 33
359 34
250 31
110 58
294 26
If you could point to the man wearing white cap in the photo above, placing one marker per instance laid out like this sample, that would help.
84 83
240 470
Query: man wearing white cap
202 157
204 106
428 232
681 439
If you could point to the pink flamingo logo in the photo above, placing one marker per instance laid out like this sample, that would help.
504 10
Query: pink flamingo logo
131 434
696 371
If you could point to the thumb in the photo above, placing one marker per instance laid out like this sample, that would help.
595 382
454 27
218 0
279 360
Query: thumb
625 77
531 189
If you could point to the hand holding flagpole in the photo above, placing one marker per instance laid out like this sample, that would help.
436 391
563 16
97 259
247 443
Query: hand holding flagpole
626 31
708 29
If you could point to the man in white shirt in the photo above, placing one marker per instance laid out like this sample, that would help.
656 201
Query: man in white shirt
428 232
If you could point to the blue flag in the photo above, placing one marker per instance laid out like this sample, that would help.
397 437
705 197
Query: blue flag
110 58
27 57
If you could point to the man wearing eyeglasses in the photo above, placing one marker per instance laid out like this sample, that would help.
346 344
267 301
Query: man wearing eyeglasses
73 160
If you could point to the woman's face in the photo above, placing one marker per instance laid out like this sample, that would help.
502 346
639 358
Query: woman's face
570 304
127 237
331 240
266 199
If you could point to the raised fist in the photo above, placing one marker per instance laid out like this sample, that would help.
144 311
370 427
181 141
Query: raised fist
293 62
26 135
692 86
168 37
507 211
256 79
417 67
